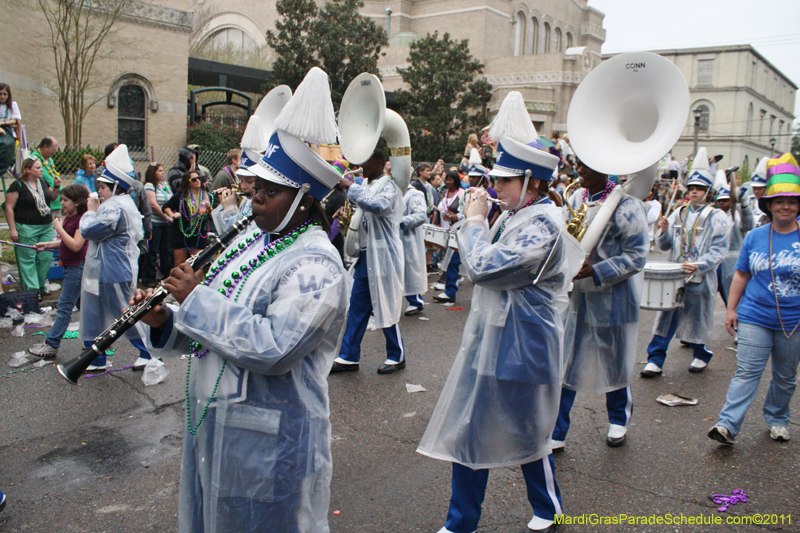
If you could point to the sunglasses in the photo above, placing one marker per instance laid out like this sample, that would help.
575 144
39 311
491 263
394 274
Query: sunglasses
194 179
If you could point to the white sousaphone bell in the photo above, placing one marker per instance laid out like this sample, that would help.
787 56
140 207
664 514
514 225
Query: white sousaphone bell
363 121
625 115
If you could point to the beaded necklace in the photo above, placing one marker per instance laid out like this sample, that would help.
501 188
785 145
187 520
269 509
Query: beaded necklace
606 191
190 212
49 167
687 246
775 291
533 201
238 278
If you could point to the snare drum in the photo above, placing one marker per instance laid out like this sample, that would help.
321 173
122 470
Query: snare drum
452 242
436 236
663 286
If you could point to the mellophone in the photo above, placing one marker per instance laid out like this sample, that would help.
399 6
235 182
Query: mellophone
74 369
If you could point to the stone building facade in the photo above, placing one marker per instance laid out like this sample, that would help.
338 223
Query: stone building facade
541 48
140 92
745 102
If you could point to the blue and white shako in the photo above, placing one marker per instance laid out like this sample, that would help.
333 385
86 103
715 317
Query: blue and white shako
702 178
248 159
516 159
290 162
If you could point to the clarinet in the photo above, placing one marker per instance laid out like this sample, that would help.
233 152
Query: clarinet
74 369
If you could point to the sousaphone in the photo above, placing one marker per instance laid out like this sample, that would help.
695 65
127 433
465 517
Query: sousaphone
624 117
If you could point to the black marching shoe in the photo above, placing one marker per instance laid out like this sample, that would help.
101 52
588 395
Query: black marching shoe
391 369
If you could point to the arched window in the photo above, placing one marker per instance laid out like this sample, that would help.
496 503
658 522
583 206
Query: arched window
557 41
569 40
131 118
546 41
535 35
234 38
702 126
519 34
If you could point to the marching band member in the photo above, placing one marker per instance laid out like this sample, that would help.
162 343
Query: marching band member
697 236
416 277
741 222
113 226
603 317
379 281
499 404
262 330
448 215
758 183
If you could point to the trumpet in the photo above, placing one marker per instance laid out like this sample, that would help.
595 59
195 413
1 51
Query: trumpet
73 370
575 226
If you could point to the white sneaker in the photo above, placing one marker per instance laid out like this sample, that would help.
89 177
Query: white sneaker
95 368
697 366
43 350
412 310
721 435
779 433
616 435
445 530
438 286
556 446
139 364
650 370
539 524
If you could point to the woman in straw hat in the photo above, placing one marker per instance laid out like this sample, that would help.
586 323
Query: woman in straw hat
764 304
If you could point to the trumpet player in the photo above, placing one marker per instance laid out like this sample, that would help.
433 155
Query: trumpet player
603 317
697 236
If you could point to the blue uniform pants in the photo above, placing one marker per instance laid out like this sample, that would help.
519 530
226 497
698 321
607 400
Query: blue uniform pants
451 279
469 489
358 318
657 349
415 300
619 404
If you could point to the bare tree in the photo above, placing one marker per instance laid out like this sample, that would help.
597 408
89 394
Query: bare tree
78 36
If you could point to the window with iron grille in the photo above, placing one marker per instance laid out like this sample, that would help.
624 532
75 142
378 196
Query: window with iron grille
131 119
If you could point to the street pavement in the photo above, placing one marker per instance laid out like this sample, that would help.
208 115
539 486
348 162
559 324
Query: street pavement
104 456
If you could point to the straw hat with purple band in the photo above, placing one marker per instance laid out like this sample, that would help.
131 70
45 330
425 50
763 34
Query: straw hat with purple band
288 160
700 174
118 169
783 179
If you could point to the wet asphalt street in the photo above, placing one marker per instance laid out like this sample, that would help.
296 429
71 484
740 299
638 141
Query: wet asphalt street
105 456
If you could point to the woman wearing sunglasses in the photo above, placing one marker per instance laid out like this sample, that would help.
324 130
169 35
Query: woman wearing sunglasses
190 211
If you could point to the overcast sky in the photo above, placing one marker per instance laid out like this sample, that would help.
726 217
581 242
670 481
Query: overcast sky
771 26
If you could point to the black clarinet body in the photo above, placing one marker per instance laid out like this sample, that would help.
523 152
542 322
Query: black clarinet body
75 368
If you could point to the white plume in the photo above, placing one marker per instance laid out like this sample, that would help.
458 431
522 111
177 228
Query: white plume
309 114
720 180
255 135
120 159
513 121
700 161
475 157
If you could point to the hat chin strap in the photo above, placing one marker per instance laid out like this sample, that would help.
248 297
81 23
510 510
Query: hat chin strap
524 189
289 214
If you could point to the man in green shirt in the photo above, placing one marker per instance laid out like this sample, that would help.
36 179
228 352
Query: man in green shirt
44 153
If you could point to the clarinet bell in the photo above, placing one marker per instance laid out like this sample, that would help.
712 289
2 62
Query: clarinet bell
74 369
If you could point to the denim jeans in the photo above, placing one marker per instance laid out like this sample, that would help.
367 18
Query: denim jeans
451 282
756 343
70 292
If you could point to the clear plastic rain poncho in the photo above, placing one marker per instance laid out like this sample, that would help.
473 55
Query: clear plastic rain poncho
708 248
500 402
603 320
741 223
414 216
111 266
380 232
225 217
261 459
